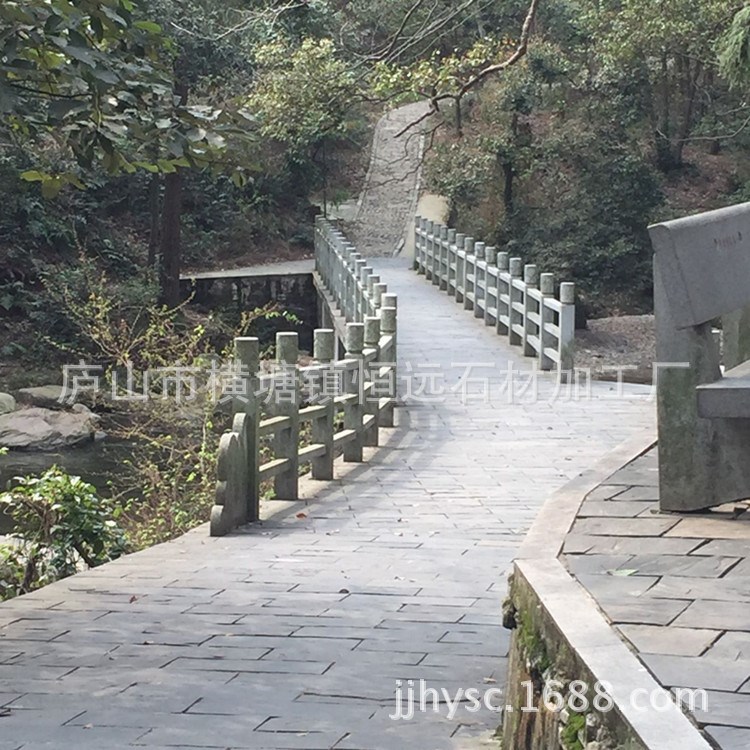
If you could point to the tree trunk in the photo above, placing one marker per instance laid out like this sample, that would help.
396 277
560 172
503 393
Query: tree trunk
153 205
459 117
509 173
691 91
170 240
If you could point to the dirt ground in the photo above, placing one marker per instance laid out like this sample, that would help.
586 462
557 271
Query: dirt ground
628 341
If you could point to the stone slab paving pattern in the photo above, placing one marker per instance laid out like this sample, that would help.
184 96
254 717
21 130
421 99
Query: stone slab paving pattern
678 590
292 634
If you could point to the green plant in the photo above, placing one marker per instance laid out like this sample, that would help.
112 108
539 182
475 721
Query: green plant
61 526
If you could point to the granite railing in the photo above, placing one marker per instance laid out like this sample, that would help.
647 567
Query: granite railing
287 416
514 298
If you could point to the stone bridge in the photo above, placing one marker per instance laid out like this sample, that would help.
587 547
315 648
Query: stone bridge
296 631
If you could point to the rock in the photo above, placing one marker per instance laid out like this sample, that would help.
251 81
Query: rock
37 429
7 403
52 396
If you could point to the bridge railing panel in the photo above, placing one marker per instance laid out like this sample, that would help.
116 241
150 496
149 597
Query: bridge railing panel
527 307
288 416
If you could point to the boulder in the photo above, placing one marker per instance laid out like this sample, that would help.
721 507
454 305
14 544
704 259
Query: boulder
53 396
37 429
7 403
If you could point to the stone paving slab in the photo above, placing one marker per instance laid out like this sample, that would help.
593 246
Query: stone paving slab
293 633
682 597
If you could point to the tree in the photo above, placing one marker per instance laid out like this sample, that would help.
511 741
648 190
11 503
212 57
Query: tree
671 47
734 50
452 76
100 79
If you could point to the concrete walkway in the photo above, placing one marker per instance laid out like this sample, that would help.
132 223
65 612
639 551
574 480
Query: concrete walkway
292 634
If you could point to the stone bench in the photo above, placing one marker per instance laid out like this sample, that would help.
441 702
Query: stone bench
701 275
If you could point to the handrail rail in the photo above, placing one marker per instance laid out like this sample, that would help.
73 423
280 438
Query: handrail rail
514 298
360 388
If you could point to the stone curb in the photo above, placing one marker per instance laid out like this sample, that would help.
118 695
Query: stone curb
580 622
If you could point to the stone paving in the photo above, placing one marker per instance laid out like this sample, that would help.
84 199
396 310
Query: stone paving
292 633
677 587
388 202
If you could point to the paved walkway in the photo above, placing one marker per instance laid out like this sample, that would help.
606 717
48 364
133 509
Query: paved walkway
292 634
388 202
682 593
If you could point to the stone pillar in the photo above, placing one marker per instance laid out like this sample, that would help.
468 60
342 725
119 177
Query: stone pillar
372 372
353 378
516 300
530 307
547 317
286 404
323 426
490 280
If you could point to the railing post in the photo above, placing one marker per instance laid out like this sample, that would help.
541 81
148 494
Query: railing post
372 281
460 267
567 327
503 294
286 404
377 294
350 310
247 354
490 284
371 389
442 279
364 301
359 265
470 273
353 380
388 327
531 281
480 281
437 254
547 317
429 251
451 272
419 225
324 345
516 299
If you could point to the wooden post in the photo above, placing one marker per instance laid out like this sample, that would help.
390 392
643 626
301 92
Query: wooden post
516 299
286 404
547 316
372 370
323 427
531 280
353 381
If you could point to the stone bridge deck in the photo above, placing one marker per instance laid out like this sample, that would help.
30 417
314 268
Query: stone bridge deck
292 634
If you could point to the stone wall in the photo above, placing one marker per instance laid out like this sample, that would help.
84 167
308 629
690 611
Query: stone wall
293 293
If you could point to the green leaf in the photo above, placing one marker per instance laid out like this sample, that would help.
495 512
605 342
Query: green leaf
33 175
150 26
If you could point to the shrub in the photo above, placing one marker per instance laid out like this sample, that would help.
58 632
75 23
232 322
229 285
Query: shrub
61 526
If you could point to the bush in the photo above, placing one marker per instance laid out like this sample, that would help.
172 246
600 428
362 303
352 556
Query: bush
61 527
